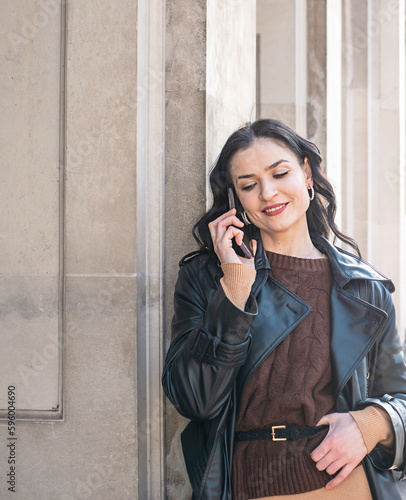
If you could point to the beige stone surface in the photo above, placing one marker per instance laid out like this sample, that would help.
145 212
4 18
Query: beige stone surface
92 454
231 71
386 161
29 138
185 177
30 216
276 27
355 112
101 132
30 348
185 173
316 73
280 83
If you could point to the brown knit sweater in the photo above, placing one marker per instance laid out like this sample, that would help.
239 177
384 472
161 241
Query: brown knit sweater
277 394
292 386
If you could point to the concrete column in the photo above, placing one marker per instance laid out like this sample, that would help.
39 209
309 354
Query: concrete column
276 27
150 246
373 178
283 60
373 140
185 180
316 73
291 69
334 101
230 80
386 141
355 122
210 88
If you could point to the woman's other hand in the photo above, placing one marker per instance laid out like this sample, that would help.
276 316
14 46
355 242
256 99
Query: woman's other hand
222 231
343 447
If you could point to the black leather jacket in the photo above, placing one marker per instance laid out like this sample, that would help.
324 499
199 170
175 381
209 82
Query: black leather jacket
204 377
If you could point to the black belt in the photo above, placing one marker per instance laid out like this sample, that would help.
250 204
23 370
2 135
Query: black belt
279 433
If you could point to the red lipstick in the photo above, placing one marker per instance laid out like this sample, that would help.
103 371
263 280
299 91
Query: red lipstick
275 209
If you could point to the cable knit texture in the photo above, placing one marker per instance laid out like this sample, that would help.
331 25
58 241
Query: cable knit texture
292 386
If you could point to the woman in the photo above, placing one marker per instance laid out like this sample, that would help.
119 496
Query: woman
288 364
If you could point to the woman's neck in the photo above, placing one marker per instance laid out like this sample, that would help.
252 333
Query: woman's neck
298 247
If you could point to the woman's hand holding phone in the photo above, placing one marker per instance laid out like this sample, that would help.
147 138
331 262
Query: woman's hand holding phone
223 230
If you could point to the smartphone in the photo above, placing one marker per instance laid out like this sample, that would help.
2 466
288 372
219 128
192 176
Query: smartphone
243 247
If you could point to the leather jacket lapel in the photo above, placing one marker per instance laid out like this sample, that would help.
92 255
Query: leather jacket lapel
266 335
355 325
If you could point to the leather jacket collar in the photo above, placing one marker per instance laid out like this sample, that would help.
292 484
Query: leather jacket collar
344 265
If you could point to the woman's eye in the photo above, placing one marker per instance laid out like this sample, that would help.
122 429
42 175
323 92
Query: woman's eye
278 176
247 188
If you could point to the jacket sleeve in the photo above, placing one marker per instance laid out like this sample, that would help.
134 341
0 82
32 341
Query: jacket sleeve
388 390
200 368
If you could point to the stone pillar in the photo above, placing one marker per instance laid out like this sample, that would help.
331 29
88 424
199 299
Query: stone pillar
334 101
230 71
276 27
373 179
355 123
316 73
386 140
150 195
291 59
210 88
185 180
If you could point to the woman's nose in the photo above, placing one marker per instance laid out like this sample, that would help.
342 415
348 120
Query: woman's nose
268 190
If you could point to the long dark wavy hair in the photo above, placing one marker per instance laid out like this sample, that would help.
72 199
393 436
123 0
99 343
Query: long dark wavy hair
322 210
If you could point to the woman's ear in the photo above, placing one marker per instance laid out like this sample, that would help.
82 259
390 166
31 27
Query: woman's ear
308 171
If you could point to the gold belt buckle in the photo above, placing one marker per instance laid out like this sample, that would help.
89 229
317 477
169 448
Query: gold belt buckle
273 432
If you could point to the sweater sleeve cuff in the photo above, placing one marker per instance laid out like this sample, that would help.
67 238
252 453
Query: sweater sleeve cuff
237 282
375 426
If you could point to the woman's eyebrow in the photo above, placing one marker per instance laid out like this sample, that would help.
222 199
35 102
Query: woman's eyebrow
268 168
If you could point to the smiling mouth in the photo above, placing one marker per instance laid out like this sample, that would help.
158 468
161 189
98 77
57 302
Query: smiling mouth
275 209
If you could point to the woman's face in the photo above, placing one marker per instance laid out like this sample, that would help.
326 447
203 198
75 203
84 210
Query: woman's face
273 189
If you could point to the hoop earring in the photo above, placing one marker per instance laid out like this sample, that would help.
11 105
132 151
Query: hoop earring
245 219
311 194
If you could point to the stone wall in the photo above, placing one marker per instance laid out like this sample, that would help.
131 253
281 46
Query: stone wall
72 126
